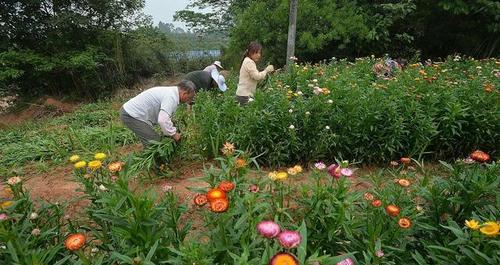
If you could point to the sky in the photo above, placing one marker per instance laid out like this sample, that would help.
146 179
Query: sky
164 10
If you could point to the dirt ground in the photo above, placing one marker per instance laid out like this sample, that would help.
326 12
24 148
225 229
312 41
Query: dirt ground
45 107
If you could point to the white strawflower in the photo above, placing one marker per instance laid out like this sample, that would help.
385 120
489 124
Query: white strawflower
330 101
327 127
300 93
291 127
14 180
290 110
33 216
102 188
308 113
35 232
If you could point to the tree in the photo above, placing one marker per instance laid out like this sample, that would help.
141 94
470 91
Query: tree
65 46
292 27
219 15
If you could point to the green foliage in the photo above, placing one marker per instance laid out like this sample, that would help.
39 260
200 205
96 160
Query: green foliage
91 128
83 49
340 28
131 224
156 156
32 233
333 218
426 111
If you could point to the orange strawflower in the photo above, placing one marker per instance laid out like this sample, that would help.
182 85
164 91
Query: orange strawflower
404 182
215 193
219 205
75 241
200 199
392 210
240 163
115 167
376 203
226 186
404 223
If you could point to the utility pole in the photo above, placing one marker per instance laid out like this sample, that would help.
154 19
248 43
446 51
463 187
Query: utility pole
292 28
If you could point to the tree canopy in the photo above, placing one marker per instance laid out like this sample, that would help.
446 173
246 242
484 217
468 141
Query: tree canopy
342 28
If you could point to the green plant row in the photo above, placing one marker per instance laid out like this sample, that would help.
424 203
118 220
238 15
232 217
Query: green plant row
312 112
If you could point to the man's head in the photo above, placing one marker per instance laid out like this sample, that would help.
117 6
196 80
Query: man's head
186 91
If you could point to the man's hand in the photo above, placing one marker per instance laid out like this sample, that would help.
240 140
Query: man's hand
176 137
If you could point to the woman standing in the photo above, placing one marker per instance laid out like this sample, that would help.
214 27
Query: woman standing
249 74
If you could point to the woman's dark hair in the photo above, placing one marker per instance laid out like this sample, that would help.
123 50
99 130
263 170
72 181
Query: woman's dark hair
252 48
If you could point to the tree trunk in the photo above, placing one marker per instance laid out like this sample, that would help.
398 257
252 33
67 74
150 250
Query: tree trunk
292 28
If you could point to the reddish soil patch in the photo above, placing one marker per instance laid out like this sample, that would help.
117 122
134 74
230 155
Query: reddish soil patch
45 107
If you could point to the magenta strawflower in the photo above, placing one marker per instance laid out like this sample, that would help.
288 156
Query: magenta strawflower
268 229
289 239
335 171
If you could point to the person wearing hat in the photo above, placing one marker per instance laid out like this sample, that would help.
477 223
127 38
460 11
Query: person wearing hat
207 80
215 66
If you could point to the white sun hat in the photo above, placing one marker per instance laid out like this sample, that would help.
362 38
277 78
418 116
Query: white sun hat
219 79
218 64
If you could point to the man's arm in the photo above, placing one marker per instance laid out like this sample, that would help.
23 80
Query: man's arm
167 126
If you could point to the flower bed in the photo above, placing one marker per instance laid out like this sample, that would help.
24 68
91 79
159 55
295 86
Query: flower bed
441 111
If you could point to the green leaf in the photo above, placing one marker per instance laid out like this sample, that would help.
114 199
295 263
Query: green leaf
152 250
302 249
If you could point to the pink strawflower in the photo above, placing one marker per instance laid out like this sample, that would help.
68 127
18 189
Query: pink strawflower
469 160
289 239
346 172
3 216
253 188
320 165
347 261
268 229
379 253
166 187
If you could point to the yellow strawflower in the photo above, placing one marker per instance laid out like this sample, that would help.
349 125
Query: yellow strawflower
298 168
80 164
100 156
472 224
489 228
6 204
272 175
74 158
281 176
292 171
95 164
